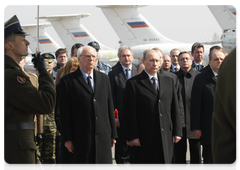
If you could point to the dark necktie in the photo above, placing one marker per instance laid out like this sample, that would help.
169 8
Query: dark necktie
197 67
89 83
127 73
154 83
176 69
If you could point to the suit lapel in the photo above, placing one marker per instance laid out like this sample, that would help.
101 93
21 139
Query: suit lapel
82 81
210 76
122 74
146 82
161 84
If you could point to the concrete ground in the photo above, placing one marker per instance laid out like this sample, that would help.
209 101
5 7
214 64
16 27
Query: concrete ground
187 154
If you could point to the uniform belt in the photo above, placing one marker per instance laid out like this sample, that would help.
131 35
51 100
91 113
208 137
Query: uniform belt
19 126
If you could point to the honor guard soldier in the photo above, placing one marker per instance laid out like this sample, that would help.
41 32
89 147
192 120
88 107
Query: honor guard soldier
102 67
38 119
21 99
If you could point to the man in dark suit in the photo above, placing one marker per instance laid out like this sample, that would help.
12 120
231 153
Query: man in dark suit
118 78
224 115
197 52
202 103
175 67
151 114
186 77
86 112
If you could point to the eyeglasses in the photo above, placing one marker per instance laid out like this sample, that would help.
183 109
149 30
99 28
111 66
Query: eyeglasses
89 56
182 59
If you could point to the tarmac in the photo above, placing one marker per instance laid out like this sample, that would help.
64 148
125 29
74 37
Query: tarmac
187 154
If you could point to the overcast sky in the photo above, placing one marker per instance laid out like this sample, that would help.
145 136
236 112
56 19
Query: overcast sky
183 23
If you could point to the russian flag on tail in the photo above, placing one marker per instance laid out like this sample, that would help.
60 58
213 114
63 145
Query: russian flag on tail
233 10
80 34
139 24
45 41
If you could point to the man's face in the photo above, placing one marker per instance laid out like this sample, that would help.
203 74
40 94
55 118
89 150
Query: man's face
198 54
126 58
166 62
50 65
174 57
62 59
152 62
87 59
74 52
185 61
216 61
20 46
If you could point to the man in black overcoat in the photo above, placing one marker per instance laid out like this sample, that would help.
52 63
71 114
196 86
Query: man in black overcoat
86 112
118 79
202 103
151 114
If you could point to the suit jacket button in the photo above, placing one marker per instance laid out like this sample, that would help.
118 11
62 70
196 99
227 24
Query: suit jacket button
162 129
96 117
160 114
97 135
94 100
159 101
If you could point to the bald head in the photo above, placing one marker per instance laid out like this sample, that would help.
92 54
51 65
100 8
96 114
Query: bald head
166 63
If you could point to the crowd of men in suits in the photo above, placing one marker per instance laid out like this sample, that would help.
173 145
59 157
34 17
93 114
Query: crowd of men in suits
162 103
148 112
158 111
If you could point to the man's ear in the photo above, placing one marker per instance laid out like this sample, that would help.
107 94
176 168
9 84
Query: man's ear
8 46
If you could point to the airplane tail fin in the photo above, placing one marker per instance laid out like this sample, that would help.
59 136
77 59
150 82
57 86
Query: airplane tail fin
131 27
225 15
46 43
71 31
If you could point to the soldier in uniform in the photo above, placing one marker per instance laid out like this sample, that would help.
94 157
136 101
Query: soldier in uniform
21 99
50 58
47 147
102 67
38 119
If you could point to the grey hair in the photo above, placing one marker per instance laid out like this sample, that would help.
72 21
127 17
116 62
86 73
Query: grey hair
80 50
120 49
